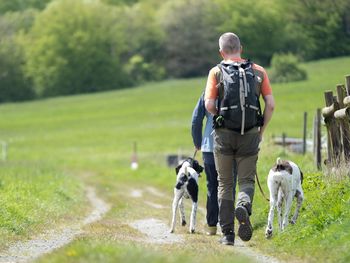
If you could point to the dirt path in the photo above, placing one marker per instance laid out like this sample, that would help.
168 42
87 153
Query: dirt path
50 240
156 231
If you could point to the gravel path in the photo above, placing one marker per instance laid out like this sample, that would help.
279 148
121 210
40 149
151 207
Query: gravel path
50 240
157 232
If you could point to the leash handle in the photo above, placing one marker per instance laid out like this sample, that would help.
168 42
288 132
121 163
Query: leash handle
261 190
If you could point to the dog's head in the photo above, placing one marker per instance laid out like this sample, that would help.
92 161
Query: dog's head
285 166
190 163
282 165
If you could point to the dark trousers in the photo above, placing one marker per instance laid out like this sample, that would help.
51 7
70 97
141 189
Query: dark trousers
212 188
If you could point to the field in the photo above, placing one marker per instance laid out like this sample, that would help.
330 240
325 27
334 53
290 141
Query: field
59 146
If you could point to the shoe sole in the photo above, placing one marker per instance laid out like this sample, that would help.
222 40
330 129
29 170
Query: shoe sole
245 230
227 243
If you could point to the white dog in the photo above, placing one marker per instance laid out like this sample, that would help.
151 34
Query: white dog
186 186
284 182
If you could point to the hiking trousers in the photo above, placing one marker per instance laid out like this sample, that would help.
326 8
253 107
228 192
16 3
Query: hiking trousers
230 147
212 188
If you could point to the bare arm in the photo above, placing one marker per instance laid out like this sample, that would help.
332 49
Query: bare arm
268 111
211 106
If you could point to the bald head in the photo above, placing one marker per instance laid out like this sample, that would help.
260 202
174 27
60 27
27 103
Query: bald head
229 43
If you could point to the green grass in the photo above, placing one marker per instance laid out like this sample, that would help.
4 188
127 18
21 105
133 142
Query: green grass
58 145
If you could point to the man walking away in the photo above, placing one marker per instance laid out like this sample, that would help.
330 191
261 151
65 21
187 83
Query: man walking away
239 126
205 144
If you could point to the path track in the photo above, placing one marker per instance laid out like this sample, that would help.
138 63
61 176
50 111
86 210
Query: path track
48 241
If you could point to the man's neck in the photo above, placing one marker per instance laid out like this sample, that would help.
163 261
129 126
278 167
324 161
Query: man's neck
236 56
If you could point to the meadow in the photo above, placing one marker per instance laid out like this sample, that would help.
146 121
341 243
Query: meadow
58 146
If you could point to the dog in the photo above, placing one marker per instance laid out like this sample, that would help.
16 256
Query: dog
186 187
284 181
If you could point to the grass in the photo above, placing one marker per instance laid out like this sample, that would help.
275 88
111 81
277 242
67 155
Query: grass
67 142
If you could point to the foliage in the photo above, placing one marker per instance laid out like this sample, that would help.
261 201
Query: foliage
74 49
318 28
87 46
191 37
14 85
21 5
286 68
260 26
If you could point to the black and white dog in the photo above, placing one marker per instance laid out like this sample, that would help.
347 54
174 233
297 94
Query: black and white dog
284 182
186 187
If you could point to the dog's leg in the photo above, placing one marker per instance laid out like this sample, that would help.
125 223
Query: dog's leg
273 199
300 198
279 207
182 212
193 217
192 188
177 196
289 199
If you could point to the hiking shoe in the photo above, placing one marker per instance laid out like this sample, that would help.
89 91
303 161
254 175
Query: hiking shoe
228 239
245 230
211 230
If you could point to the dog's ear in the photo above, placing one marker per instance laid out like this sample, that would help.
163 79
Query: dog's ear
177 169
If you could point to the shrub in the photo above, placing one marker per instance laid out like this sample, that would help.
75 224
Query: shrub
285 68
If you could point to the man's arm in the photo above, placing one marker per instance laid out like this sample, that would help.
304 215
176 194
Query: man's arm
197 123
268 111
210 105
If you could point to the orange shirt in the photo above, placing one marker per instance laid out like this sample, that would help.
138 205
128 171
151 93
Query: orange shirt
211 91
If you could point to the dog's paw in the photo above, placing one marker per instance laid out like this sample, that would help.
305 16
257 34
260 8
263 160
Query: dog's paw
268 233
292 222
192 231
183 223
171 231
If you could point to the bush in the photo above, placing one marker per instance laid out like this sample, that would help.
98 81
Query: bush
285 68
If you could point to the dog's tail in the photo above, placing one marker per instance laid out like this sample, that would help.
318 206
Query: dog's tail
279 161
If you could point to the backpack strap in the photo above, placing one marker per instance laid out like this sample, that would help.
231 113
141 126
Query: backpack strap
220 84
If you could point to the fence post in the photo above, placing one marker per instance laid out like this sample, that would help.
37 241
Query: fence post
347 84
333 138
317 139
344 123
304 132
4 150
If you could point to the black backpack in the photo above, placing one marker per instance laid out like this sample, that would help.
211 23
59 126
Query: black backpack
238 104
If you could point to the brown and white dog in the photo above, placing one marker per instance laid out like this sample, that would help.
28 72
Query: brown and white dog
284 181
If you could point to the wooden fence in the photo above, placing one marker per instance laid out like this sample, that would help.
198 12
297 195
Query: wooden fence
336 116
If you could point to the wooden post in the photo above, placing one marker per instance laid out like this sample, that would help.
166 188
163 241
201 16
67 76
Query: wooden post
304 132
134 162
4 151
347 85
333 132
344 123
317 140
284 141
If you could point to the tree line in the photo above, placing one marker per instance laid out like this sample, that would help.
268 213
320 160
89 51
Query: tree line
59 47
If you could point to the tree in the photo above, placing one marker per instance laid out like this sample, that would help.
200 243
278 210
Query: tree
259 25
21 5
321 28
190 45
75 47
14 85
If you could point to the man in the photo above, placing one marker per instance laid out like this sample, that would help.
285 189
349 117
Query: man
205 144
234 139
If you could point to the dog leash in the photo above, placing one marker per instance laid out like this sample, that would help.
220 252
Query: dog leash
194 154
261 190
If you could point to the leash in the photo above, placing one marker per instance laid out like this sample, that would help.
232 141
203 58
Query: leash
194 154
261 190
